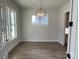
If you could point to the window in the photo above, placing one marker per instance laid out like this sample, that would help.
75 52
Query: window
11 23
40 20
2 20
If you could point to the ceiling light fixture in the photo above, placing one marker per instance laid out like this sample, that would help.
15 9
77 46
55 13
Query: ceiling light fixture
40 12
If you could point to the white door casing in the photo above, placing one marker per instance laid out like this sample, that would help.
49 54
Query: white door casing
73 40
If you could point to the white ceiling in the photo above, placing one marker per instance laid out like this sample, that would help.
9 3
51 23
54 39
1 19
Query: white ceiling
44 4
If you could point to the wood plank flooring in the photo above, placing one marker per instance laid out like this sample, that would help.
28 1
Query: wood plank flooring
33 50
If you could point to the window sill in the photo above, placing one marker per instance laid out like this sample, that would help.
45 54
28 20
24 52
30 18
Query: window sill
10 40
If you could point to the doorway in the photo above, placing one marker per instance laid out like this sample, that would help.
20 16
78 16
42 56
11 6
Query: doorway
66 29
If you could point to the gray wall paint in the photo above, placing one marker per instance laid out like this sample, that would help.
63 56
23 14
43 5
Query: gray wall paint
53 32
63 10
39 33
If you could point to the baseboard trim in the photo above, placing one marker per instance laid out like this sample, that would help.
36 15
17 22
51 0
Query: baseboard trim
37 41
61 43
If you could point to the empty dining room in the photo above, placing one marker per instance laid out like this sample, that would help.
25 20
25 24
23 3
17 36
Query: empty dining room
38 29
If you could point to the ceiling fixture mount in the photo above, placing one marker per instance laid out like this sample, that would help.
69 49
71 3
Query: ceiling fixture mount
40 11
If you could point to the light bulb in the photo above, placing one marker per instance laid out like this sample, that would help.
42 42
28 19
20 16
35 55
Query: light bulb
42 14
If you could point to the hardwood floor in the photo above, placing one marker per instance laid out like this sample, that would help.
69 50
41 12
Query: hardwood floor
32 50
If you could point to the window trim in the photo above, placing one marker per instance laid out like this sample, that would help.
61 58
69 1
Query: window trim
8 17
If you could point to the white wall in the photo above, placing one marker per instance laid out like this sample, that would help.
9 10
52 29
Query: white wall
53 32
39 33
63 10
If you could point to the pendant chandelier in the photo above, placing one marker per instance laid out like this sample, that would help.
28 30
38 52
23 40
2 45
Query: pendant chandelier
40 12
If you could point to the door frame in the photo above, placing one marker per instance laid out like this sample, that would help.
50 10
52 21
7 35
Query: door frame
65 22
70 19
73 10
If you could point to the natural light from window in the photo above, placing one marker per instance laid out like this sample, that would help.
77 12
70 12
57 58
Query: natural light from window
40 20
11 23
